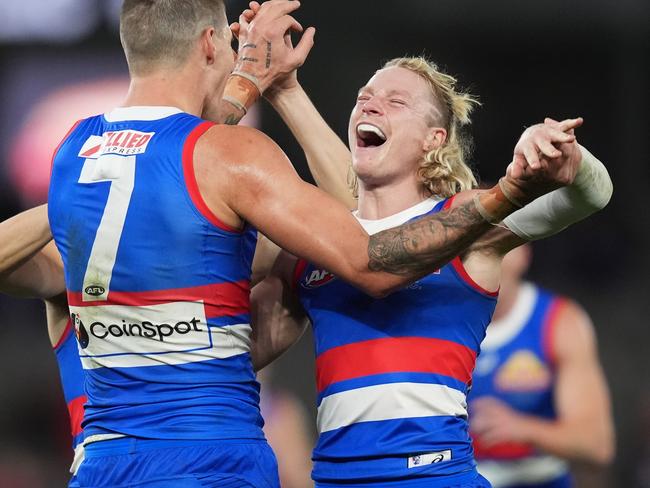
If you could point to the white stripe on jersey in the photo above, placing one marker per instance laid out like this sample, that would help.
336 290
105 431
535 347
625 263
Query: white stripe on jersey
389 401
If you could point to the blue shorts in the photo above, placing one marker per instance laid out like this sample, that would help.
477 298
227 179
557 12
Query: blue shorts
145 463
565 481
467 480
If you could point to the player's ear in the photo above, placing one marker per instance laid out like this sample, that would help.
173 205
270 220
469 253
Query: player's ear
208 47
436 137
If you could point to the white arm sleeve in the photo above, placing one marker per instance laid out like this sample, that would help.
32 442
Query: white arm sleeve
549 214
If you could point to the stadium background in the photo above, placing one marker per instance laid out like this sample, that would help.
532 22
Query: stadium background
61 59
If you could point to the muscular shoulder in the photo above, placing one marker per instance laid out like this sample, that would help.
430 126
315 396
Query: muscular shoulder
573 331
237 145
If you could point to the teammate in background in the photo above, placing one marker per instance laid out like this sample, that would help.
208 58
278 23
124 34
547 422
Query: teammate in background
30 266
539 397
152 210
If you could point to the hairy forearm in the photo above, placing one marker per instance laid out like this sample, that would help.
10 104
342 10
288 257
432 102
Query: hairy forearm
22 236
328 157
568 440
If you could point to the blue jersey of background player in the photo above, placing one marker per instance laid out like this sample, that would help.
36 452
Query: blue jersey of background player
539 398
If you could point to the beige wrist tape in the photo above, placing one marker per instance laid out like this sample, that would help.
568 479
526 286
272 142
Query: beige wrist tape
493 205
242 90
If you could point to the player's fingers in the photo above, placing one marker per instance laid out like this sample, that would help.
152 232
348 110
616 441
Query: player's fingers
550 121
285 24
530 153
557 135
278 9
248 14
254 6
234 28
304 46
518 166
569 124
548 149
287 41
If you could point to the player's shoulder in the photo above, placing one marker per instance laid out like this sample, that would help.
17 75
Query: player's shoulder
573 329
238 143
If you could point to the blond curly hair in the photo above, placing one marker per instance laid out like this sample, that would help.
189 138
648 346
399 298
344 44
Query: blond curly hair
443 170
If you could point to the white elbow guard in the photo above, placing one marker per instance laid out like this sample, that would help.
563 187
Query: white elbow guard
549 214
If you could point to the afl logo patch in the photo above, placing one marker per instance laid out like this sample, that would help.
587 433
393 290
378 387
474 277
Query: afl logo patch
318 277
94 290
80 330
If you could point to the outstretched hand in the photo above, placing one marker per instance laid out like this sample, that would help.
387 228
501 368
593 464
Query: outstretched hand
546 157
265 47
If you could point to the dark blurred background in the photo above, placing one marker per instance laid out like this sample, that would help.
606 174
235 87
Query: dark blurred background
61 60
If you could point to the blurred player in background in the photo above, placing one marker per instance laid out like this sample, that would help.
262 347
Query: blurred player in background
539 398
286 427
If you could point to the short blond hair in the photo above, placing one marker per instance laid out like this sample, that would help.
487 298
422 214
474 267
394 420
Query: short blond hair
443 170
161 32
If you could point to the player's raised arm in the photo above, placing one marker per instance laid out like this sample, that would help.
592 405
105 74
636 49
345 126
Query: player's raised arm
30 265
328 157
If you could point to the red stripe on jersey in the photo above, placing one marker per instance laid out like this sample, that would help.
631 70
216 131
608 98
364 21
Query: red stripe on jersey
394 355
220 299
548 329
65 138
76 411
301 264
457 264
447 204
190 177
64 336
502 451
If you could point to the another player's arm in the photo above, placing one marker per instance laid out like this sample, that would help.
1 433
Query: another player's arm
589 191
328 157
277 317
242 174
30 264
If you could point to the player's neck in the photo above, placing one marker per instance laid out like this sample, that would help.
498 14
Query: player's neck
378 202
165 89
508 294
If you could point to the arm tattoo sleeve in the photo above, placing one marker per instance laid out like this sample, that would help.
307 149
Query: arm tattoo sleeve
422 246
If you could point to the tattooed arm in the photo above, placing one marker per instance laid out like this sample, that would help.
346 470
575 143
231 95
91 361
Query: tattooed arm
259 186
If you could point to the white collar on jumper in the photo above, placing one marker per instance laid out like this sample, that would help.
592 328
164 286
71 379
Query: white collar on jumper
502 331
374 226
120 114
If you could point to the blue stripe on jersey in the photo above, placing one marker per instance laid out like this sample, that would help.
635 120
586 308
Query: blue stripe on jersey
172 386
382 379
332 460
